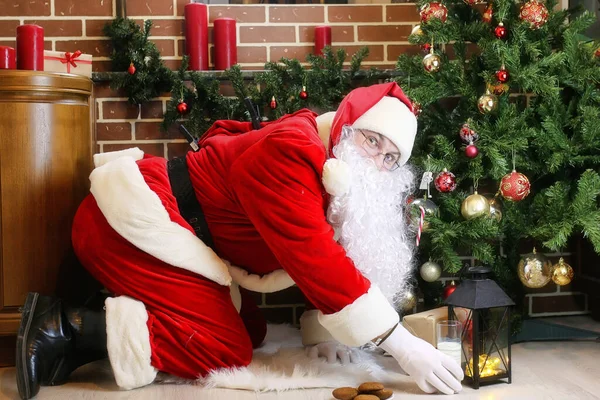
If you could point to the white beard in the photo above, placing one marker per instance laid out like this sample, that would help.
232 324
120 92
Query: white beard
370 222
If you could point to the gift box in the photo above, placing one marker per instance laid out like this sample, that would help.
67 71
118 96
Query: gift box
71 63
423 324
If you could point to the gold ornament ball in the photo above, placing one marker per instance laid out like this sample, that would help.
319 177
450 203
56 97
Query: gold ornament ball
534 270
432 62
430 271
410 301
417 31
475 206
562 273
495 209
487 103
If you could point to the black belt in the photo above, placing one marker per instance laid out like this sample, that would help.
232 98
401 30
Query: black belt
190 209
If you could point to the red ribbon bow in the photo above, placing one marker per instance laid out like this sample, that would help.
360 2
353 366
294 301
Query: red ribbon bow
70 58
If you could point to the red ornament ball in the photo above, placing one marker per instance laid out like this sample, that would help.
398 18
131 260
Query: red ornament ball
273 104
488 14
448 290
434 10
500 31
535 13
445 182
468 135
502 75
131 69
304 93
514 186
597 52
426 48
182 107
471 151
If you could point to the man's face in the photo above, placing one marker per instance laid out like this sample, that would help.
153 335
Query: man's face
379 148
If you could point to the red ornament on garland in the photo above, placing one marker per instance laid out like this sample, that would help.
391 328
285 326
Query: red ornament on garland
488 13
500 31
471 151
597 52
468 135
182 107
131 69
535 13
434 10
448 290
304 93
514 186
426 48
273 104
502 74
445 182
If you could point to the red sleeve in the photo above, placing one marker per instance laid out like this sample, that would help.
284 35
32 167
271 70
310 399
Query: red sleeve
278 184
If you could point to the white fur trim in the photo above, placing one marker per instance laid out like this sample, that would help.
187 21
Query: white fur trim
394 120
269 283
136 213
336 177
312 331
324 122
128 342
366 318
102 158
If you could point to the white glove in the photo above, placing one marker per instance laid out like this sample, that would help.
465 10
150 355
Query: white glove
430 368
332 351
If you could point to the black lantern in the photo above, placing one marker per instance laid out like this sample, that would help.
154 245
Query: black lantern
484 310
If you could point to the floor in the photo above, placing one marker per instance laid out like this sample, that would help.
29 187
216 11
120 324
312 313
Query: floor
541 370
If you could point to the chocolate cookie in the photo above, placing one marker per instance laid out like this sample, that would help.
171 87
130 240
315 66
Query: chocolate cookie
345 393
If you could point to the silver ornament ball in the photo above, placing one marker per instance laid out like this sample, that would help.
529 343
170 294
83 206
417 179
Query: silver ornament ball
430 271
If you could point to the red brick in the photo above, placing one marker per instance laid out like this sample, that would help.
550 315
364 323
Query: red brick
166 47
375 52
297 14
394 51
149 7
402 13
267 34
88 7
226 89
177 150
119 110
8 27
386 33
156 149
94 27
297 52
167 27
180 5
97 48
22 8
558 303
102 89
113 131
102 66
152 109
58 27
291 295
338 34
240 13
279 315
151 131
353 13
172 64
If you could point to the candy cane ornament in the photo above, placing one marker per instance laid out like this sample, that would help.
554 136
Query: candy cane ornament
421 221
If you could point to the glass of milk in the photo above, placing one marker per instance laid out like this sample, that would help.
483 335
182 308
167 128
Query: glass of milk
449 339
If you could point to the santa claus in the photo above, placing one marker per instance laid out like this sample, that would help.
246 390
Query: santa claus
179 243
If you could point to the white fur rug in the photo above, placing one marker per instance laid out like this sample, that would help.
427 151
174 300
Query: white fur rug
281 364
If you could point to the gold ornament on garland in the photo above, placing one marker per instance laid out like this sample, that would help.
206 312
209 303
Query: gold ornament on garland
487 103
475 206
432 62
495 209
562 273
534 270
410 301
417 31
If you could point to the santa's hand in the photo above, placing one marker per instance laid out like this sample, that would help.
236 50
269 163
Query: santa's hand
430 368
332 351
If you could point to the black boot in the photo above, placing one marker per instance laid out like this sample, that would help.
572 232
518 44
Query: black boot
54 340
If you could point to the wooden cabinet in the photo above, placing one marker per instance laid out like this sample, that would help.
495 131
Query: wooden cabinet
46 140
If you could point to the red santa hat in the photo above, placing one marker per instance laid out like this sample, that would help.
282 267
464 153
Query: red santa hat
382 108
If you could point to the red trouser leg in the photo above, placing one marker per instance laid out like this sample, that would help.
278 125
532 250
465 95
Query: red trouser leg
192 324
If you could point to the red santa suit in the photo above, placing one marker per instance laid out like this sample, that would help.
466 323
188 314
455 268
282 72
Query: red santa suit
178 308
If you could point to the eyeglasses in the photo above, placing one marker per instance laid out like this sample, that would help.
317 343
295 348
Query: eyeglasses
371 145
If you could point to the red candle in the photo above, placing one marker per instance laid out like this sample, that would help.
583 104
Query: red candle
7 58
225 43
322 38
196 35
30 47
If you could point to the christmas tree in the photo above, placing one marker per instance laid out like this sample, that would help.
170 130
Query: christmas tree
510 107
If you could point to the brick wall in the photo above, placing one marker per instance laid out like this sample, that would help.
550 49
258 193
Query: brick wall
265 33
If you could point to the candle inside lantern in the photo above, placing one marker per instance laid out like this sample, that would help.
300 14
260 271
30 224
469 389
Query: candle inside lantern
225 43
322 38
196 35
30 47
7 58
